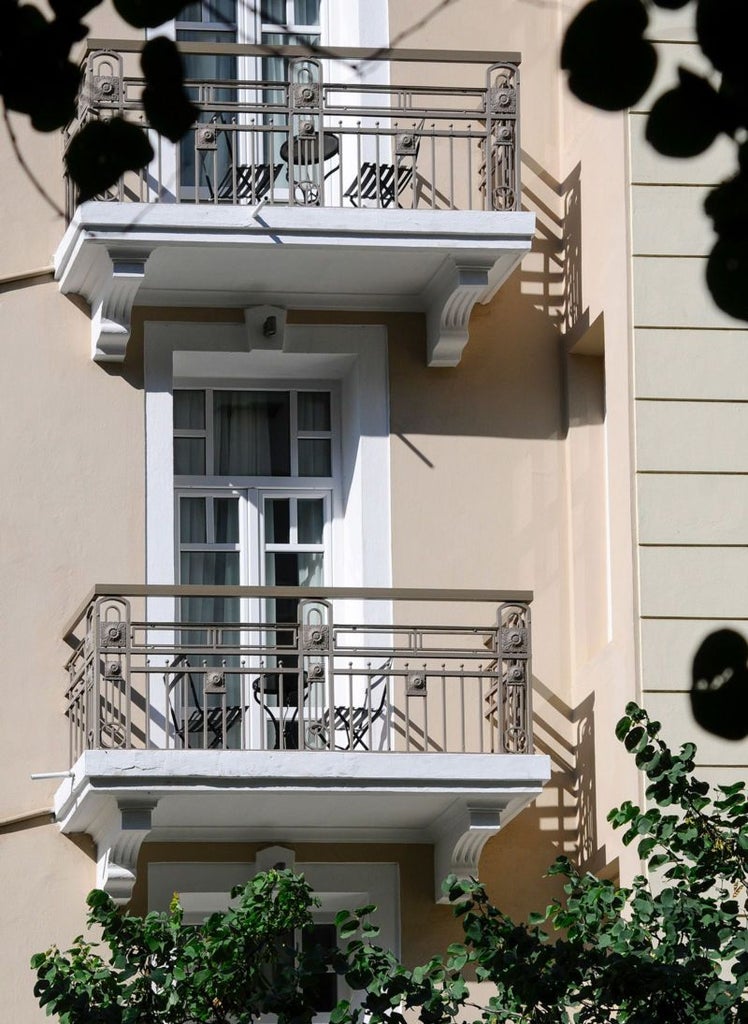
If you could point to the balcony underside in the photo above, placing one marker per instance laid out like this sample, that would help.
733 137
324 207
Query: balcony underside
440 262
455 801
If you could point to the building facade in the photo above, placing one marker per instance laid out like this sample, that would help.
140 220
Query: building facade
360 468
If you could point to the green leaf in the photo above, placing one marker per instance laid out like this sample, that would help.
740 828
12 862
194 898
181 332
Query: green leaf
634 738
622 727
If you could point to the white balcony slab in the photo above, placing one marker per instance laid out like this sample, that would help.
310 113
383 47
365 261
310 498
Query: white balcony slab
439 262
455 801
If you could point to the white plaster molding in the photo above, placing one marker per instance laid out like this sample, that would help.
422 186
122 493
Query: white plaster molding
266 327
460 843
111 308
274 857
294 257
451 296
119 834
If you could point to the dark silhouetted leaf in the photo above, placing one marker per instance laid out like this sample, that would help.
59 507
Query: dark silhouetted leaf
719 690
161 63
165 101
101 153
687 119
727 205
671 4
610 64
73 8
722 31
45 87
148 13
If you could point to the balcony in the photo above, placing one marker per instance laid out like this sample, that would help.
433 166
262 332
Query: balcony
335 715
321 190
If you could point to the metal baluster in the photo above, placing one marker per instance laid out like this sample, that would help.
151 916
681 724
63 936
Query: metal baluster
444 707
425 712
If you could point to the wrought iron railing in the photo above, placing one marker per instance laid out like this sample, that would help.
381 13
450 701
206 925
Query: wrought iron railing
313 139
153 669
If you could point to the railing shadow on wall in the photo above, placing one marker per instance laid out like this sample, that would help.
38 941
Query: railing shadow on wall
551 276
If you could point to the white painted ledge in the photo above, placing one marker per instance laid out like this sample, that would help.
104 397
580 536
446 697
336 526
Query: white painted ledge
435 261
455 801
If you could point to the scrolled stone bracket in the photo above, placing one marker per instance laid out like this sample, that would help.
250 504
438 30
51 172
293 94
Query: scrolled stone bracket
118 840
450 299
460 843
112 309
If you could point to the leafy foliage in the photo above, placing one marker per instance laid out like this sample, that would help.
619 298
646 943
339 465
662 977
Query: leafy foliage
239 965
611 65
669 951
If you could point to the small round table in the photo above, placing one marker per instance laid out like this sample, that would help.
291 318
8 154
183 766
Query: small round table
306 154
306 149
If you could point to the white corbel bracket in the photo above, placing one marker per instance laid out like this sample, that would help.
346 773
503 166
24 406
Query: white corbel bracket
460 843
450 299
118 842
112 308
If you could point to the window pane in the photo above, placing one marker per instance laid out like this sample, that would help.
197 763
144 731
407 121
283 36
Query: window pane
275 11
226 512
311 520
314 410
314 457
209 10
310 569
192 521
189 456
191 12
322 990
219 568
189 410
291 569
277 521
223 11
251 433
206 568
306 12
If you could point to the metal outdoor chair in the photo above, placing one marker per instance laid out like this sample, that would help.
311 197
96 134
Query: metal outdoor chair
245 181
349 727
211 724
384 183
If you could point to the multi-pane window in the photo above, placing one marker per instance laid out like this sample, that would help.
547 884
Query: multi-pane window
252 433
254 483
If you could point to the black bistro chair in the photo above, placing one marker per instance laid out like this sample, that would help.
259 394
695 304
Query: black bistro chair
207 725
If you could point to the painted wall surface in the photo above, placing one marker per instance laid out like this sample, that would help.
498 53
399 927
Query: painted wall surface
562 323
690 387
513 471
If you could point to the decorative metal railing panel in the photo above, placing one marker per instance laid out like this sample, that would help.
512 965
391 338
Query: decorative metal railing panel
312 141
318 683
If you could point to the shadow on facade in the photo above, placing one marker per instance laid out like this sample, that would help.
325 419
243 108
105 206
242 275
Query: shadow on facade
561 821
551 276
